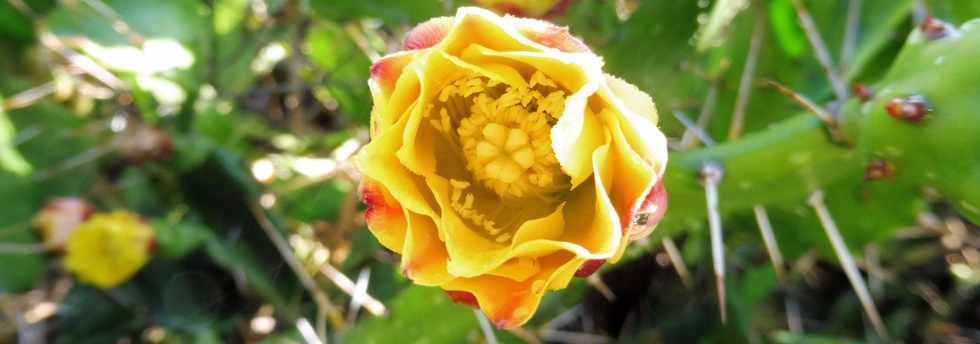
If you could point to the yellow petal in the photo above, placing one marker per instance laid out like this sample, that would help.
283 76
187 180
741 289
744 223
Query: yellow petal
424 256
638 121
387 70
499 72
509 303
479 26
472 255
518 269
384 215
108 249
378 162
571 71
593 221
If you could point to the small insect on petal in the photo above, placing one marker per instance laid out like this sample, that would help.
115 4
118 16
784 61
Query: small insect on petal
878 169
934 28
911 109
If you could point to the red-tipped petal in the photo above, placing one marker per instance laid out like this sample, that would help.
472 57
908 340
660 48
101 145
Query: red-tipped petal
589 267
380 205
388 69
551 35
428 33
463 298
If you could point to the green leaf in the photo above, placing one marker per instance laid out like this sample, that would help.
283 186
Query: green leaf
331 49
90 315
175 240
790 36
417 314
161 54
10 158
19 272
319 202
14 25
391 11
792 338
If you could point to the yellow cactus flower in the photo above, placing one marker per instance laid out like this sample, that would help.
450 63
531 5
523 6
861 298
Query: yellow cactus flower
504 161
109 248
526 8
59 218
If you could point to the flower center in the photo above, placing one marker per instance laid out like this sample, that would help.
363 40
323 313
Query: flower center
504 134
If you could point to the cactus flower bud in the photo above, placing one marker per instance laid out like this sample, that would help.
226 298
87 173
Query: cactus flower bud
912 108
878 169
59 218
934 28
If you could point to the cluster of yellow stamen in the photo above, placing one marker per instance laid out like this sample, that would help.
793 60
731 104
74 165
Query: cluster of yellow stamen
504 132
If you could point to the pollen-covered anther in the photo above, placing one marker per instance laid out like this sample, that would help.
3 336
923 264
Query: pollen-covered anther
505 133
912 108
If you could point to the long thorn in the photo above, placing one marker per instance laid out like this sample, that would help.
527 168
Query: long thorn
776 256
748 73
677 261
573 337
820 48
306 331
693 128
850 267
850 34
596 282
689 139
324 306
793 315
360 291
564 319
828 119
116 21
73 162
822 114
711 175
485 327
371 304
21 248
769 238
28 97
50 41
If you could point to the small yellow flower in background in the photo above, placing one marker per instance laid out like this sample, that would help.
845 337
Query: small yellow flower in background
59 218
526 8
109 248
504 161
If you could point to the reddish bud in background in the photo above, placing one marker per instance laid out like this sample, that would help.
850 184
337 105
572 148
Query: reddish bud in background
934 28
863 92
143 143
59 218
911 109
878 169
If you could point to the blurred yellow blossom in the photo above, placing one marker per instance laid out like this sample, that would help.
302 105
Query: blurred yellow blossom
109 248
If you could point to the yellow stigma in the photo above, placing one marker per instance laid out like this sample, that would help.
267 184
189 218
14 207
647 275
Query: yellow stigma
505 133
